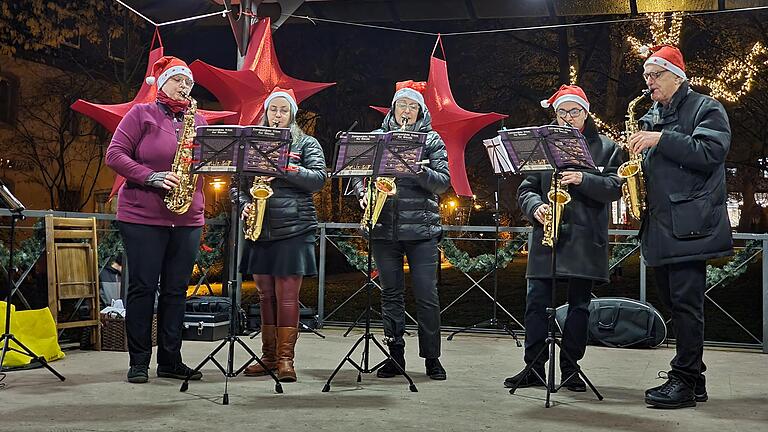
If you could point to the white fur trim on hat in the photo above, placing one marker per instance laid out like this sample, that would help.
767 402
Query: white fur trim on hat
567 98
168 73
274 95
666 64
410 94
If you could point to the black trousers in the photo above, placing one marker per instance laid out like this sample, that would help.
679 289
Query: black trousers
165 255
538 299
681 288
422 261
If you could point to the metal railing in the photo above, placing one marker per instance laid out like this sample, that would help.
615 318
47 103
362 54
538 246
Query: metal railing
329 233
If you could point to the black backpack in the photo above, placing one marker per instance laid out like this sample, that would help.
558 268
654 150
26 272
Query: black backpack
621 323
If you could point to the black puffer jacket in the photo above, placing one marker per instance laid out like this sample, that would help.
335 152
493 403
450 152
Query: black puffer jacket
687 217
414 213
582 248
290 210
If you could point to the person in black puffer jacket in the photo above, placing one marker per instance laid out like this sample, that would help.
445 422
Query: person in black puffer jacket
285 251
409 225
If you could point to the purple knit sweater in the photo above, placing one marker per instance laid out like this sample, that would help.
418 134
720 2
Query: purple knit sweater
145 142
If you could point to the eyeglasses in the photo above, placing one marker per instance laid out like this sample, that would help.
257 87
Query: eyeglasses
403 105
180 79
654 75
575 112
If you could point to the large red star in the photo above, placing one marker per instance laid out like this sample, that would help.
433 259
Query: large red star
246 90
454 124
109 116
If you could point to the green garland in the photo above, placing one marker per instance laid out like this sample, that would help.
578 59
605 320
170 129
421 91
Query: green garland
735 267
28 250
458 258
620 251
482 263
212 244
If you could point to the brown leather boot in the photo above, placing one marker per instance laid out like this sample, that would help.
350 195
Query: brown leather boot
268 352
286 342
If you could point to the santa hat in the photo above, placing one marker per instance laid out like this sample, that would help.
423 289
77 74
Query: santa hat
567 93
669 57
412 90
283 93
166 67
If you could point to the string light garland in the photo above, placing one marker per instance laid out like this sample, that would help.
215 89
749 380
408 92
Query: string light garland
734 72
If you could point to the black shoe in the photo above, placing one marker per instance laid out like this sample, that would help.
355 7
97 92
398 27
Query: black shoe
673 394
531 380
699 389
138 374
389 370
574 383
434 369
178 371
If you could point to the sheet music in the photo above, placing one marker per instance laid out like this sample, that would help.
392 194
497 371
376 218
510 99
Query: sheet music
524 149
356 154
402 153
266 150
216 145
567 146
498 155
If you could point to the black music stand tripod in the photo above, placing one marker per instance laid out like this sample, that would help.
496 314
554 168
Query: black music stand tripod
374 153
552 340
17 213
238 149
493 322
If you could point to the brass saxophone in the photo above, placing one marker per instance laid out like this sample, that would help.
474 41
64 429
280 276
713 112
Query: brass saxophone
633 188
260 192
559 200
385 186
179 198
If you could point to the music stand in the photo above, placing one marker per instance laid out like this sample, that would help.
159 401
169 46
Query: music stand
17 213
501 167
369 155
552 149
237 151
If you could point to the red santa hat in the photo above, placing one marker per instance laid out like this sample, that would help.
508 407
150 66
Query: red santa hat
412 90
166 67
283 93
567 93
669 57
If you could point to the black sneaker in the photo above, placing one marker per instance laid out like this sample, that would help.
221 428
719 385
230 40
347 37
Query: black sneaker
673 394
574 383
389 370
434 369
138 374
178 371
530 380
699 389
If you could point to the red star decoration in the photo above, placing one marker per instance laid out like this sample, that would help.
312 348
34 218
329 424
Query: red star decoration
246 90
454 124
109 116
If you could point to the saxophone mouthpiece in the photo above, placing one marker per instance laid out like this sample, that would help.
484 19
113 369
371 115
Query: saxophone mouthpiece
647 92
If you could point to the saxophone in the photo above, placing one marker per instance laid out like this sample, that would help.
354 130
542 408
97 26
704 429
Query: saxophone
385 186
633 189
179 198
260 192
559 200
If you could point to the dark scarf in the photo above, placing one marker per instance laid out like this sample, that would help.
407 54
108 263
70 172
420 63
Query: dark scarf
174 105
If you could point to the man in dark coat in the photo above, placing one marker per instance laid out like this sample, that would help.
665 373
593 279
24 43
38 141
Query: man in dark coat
685 140
409 226
582 244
